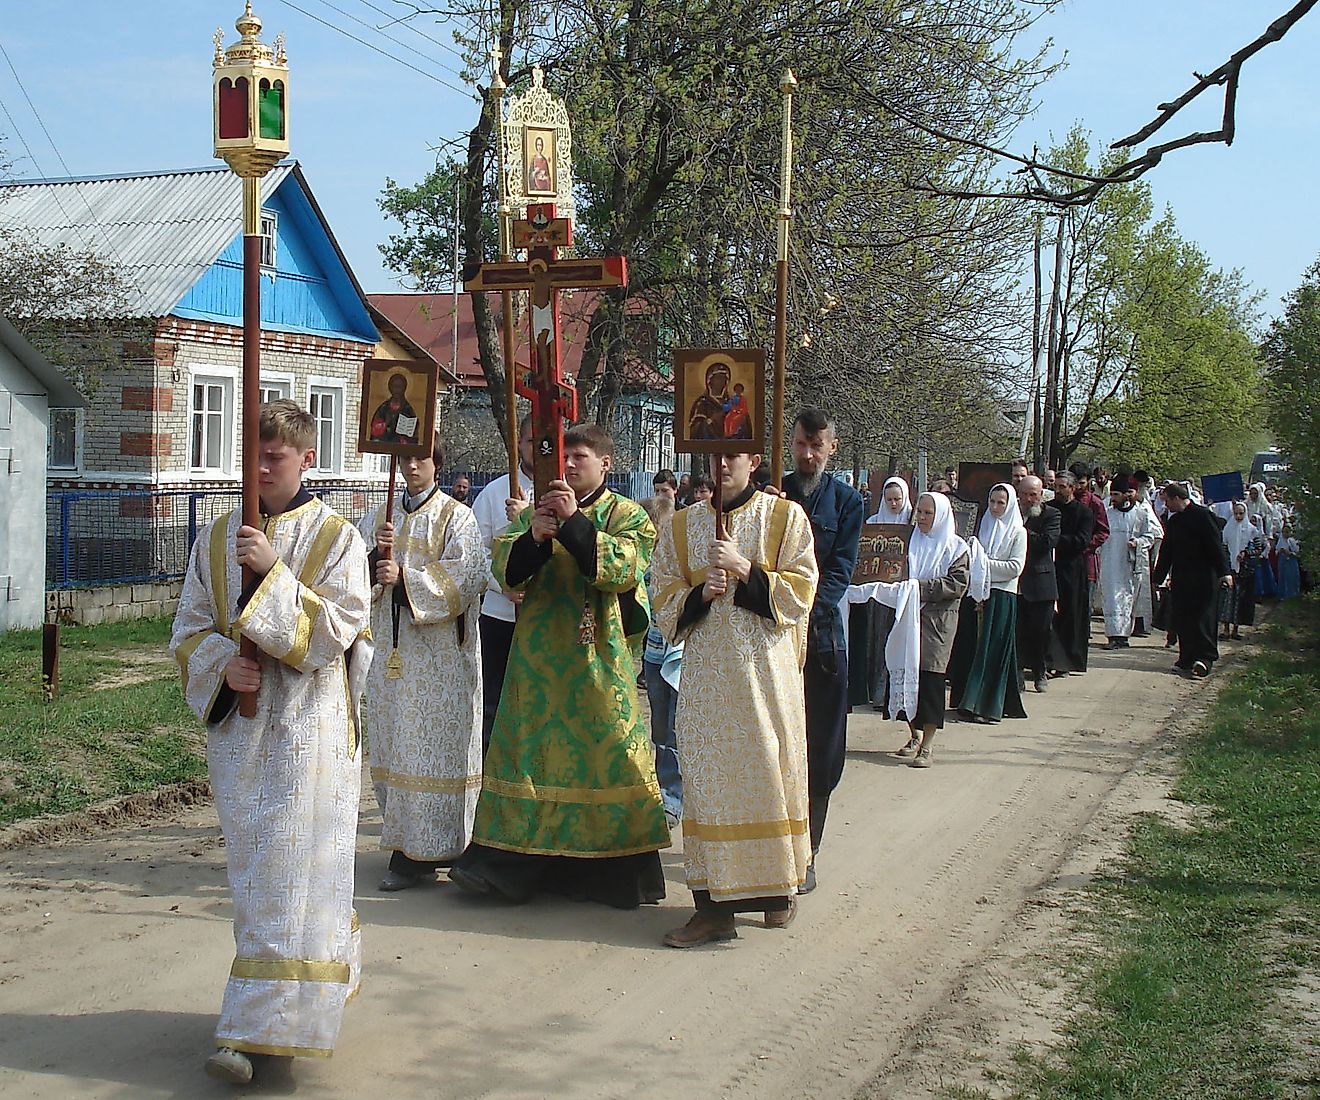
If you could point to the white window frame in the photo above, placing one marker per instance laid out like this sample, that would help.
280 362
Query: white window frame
339 388
227 377
269 217
78 424
281 380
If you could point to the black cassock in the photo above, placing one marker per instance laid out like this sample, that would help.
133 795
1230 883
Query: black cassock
1072 622
1194 557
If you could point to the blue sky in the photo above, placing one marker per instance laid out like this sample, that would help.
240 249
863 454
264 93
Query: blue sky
124 85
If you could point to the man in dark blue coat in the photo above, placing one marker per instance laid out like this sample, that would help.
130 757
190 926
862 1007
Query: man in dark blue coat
836 513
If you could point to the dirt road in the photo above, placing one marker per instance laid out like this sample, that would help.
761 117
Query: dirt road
113 951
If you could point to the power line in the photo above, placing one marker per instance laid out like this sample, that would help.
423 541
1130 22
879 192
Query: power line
63 164
54 191
383 53
403 22
391 38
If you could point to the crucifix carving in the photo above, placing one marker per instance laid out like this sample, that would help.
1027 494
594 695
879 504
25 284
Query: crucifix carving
543 274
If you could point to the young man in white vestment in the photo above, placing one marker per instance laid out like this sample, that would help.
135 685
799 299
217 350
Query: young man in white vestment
741 606
424 698
286 782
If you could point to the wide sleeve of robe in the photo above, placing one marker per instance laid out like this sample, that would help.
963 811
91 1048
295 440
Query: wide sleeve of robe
444 588
199 641
307 626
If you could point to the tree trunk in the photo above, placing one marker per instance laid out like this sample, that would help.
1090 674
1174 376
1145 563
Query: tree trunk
480 143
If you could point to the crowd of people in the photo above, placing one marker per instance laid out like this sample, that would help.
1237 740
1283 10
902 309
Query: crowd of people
499 644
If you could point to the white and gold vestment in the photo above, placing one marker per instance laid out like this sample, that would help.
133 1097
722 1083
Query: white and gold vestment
424 705
286 783
741 719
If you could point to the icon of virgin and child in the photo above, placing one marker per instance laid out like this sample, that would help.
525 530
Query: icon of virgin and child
722 411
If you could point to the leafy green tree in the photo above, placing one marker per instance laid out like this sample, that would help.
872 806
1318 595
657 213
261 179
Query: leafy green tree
901 303
1291 351
1154 363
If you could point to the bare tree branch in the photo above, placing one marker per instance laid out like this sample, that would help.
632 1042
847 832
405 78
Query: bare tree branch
1041 175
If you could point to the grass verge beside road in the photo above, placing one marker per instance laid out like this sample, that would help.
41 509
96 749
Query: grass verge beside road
119 725
1197 944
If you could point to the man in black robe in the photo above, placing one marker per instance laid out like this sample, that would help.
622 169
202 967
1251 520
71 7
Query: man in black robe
1072 621
1195 559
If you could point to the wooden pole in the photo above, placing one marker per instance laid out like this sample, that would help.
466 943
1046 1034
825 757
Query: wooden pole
50 661
787 85
388 552
247 701
717 496
1049 428
1037 455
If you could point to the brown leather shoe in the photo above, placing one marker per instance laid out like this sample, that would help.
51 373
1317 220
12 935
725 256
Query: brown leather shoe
782 918
701 929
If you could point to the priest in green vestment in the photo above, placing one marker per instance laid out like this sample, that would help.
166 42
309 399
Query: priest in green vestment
569 800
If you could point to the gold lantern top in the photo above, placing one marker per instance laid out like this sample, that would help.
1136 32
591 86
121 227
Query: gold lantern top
250 100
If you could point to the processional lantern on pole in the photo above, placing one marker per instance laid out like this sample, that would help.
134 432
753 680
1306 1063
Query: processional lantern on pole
536 179
250 105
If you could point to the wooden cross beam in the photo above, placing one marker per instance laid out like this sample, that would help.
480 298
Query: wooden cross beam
544 275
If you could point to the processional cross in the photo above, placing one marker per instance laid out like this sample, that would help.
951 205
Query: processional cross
543 274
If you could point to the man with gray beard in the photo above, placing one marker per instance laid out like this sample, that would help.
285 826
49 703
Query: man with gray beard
1037 589
836 512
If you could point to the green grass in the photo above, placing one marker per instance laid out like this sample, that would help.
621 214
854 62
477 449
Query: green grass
94 741
1199 932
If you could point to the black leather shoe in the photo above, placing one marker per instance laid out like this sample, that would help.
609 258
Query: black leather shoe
809 883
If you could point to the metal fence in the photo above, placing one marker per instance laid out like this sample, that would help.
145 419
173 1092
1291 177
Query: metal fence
98 537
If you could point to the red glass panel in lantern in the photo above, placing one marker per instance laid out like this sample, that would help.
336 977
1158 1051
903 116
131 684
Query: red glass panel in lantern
233 108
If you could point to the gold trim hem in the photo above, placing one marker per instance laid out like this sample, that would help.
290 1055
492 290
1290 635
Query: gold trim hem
751 830
290 970
584 796
485 843
426 784
265 1048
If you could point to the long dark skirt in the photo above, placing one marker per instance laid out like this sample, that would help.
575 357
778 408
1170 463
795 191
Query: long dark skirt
1072 623
992 685
964 650
882 621
1290 577
930 701
1267 587
859 653
1237 605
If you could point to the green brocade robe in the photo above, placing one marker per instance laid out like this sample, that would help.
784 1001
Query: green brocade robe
571 770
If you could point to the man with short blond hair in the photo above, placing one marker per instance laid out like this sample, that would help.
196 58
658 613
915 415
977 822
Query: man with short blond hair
286 781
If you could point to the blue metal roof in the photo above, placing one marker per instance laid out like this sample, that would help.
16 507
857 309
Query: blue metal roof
174 236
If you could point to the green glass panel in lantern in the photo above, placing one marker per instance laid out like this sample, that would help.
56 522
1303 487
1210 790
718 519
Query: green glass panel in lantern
272 110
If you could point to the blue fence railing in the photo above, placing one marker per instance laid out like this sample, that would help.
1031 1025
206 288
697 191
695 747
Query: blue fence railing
97 537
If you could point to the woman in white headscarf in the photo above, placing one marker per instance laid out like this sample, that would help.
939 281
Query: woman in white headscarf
998 555
895 507
938 562
1246 549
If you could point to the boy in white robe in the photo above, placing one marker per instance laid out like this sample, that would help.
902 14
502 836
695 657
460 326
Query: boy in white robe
424 693
285 782
741 605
